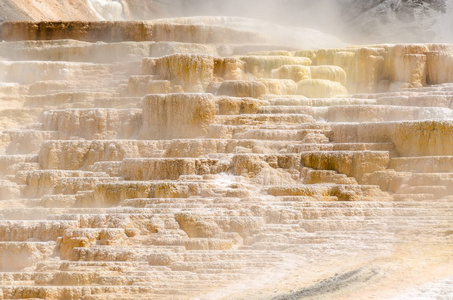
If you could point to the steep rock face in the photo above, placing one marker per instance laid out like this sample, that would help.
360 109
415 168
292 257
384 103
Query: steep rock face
177 116
192 72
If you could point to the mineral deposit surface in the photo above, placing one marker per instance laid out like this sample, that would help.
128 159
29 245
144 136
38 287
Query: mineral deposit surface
188 159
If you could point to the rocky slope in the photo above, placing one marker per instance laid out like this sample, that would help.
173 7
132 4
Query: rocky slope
396 21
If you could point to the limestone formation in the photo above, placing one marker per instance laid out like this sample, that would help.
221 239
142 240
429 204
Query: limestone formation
190 158
177 115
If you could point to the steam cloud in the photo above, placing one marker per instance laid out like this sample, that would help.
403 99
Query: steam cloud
373 21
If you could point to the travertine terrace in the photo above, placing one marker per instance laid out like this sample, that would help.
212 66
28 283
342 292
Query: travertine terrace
184 159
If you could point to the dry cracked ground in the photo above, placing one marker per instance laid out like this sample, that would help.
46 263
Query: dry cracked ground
184 159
